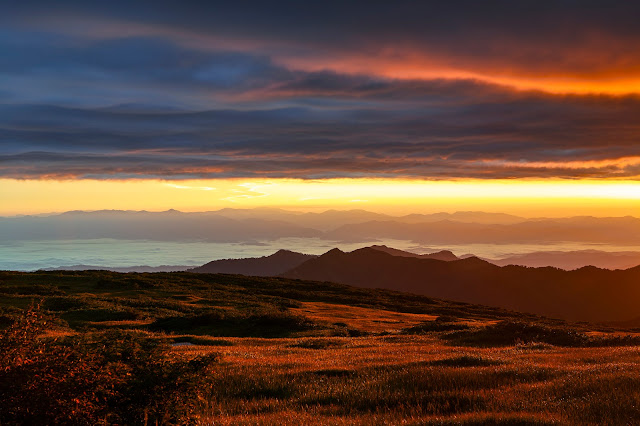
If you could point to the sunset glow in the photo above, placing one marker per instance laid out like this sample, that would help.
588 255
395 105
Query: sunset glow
412 67
527 198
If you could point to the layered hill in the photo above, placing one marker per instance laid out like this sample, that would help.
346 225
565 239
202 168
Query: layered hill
266 266
282 261
122 269
588 294
573 259
170 225
445 255
616 230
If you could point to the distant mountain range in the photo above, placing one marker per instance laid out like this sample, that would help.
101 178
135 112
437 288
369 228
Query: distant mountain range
247 225
587 294
445 255
123 269
359 227
170 225
623 231
572 259
283 261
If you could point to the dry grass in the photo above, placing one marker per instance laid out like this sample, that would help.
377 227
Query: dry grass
417 379
354 356
365 319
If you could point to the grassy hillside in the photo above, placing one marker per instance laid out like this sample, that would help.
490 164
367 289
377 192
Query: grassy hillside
101 348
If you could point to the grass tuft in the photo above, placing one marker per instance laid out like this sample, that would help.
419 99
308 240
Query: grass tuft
466 361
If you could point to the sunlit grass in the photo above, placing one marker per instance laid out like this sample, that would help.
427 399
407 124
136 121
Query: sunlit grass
292 352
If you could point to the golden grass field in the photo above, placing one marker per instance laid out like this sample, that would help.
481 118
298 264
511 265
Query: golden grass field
290 352
415 379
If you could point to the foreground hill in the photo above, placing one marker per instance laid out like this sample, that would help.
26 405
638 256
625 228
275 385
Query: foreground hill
266 266
97 347
586 294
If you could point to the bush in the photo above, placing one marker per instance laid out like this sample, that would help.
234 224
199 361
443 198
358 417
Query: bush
78 317
263 323
508 333
32 289
110 377
43 383
465 361
63 303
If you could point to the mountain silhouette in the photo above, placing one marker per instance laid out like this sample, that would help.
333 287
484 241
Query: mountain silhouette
445 255
588 294
266 266
573 259
122 269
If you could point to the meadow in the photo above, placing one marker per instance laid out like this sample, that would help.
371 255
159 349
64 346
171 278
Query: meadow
98 347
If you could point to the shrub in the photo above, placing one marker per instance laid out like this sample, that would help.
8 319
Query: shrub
465 361
507 333
262 323
32 289
111 377
62 303
43 383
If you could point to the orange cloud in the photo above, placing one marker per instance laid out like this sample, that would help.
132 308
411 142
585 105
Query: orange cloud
420 66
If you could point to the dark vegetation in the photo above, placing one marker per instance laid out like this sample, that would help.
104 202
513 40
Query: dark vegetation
466 361
263 323
98 347
111 377
508 333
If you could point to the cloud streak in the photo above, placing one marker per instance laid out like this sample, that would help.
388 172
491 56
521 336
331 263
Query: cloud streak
309 91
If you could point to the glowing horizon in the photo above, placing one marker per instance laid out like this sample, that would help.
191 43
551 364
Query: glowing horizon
528 198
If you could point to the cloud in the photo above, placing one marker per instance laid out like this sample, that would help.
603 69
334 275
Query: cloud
431 131
198 188
123 70
316 90
564 39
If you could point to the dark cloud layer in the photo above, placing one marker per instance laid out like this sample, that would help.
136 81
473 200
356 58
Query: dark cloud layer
100 90
553 36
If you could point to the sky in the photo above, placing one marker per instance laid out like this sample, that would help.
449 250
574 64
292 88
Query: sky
497 105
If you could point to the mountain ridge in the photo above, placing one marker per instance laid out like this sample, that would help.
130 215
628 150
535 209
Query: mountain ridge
585 294
267 266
